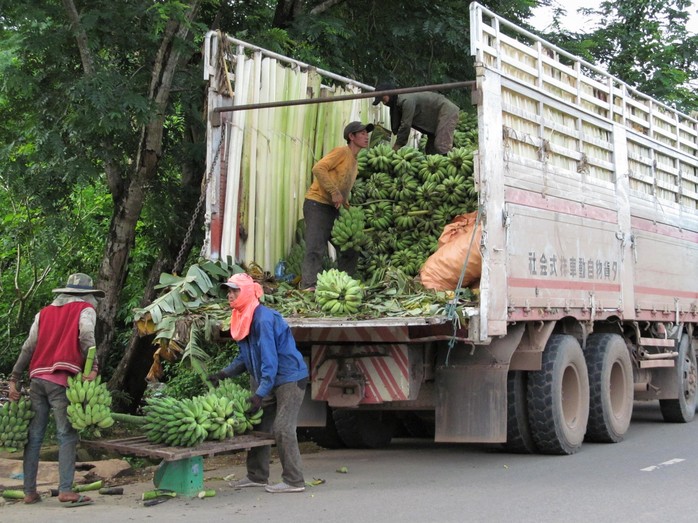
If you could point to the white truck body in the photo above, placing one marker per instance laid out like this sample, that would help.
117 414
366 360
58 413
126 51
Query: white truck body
588 198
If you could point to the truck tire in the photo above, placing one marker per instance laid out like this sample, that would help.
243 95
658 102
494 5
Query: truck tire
370 429
519 439
326 436
683 408
610 388
418 424
558 397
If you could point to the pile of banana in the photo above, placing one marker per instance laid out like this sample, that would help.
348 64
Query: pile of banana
408 197
348 229
90 405
217 415
338 293
14 424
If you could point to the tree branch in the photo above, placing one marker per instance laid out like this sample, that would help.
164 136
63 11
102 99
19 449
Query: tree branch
114 178
324 6
80 36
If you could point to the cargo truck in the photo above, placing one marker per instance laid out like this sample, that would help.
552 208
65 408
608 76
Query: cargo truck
588 204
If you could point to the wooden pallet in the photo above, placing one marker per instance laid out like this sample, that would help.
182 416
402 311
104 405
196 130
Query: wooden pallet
140 446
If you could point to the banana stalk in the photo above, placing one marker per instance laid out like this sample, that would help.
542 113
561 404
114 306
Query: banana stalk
90 360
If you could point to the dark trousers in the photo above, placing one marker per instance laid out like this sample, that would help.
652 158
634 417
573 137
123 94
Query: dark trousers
319 219
281 418
442 141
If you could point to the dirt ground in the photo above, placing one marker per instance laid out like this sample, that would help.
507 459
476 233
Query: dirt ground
219 471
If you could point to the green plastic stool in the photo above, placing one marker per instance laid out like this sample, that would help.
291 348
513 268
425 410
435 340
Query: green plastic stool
183 476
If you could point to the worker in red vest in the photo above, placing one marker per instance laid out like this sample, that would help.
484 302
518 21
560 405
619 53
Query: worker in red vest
56 349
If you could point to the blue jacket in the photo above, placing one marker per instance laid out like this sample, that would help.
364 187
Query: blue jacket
268 353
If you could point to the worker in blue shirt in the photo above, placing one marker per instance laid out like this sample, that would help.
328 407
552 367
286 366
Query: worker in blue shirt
279 377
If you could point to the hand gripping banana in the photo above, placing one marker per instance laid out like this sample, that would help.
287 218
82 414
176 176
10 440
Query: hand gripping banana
90 403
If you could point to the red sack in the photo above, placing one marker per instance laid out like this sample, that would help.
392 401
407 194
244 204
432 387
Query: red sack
442 269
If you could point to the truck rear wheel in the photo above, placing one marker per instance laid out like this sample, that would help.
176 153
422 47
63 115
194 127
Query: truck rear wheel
683 409
326 436
418 424
558 397
610 388
365 429
519 439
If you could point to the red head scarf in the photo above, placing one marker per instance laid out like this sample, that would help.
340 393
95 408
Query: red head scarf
244 305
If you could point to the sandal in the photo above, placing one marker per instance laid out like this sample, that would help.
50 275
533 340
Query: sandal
79 502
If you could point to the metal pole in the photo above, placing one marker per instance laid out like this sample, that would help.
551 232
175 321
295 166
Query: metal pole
215 118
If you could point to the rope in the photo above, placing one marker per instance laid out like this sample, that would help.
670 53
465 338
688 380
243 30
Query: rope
452 305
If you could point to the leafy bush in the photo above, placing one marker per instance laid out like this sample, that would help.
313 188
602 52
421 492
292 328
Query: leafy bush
181 381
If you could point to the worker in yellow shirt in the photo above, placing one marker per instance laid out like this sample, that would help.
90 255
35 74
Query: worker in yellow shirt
333 177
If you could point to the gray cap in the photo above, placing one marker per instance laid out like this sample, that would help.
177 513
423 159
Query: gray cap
355 127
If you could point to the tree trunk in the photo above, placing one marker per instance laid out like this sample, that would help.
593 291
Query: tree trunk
128 206
286 12
129 375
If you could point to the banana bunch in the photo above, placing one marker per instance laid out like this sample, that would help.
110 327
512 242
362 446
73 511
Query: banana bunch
14 424
467 122
348 229
380 215
465 138
430 195
242 421
408 260
433 168
218 415
294 260
362 160
454 188
90 405
338 293
470 187
175 422
406 161
358 191
466 131
444 214
404 188
378 186
380 157
222 422
459 161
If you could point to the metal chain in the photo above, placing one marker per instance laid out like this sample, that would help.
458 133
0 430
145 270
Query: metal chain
178 263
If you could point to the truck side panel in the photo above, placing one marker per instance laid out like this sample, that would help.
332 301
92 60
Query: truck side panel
596 208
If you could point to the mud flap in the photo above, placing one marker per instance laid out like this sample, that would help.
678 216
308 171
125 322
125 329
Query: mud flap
312 413
471 404
471 390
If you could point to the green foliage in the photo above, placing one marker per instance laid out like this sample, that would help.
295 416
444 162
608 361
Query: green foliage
646 45
181 382
69 143
38 250
197 291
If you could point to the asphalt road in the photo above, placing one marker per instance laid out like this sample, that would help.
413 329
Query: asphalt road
651 477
